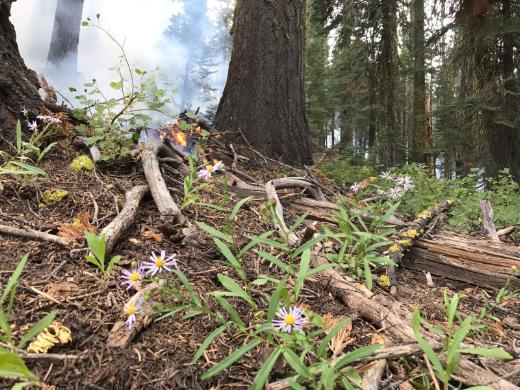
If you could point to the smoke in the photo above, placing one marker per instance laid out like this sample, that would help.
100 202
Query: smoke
140 25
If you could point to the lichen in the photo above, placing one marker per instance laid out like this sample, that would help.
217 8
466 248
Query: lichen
82 163
54 196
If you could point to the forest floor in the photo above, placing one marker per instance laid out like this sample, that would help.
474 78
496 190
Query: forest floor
160 356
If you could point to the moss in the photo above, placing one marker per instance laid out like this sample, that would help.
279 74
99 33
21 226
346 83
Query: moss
54 196
82 163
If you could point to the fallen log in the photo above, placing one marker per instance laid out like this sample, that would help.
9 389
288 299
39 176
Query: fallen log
470 260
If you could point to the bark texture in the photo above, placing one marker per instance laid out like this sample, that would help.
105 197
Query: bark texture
18 85
419 84
63 50
264 94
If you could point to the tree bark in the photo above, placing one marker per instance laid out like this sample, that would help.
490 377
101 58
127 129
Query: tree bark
18 85
264 94
389 79
63 50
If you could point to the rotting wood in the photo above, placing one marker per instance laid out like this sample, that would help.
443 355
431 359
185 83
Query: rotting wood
488 223
469 260
125 218
34 235
120 336
167 207
409 236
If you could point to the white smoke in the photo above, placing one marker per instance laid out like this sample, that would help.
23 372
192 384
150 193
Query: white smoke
141 25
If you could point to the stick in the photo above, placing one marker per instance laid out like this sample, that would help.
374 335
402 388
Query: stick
164 201
489 224
120 336
40 356
34 234
125 218
281 227
236 171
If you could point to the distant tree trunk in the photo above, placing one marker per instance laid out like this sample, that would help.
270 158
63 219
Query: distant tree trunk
63 50
264 94
18 85
389 79
419 143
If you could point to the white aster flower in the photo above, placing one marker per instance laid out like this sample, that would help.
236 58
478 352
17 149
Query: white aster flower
159 263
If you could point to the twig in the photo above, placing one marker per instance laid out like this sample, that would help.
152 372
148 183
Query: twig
432 374
34 234
40 356
45 295
96 210
236 171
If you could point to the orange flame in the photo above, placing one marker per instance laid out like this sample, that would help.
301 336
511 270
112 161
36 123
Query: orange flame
180 138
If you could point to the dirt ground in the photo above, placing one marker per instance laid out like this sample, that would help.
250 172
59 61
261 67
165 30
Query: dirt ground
58 278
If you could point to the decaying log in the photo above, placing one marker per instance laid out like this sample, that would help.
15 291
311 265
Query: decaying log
35 235
125 218
488 222
164 201
480 262
409 236
120 336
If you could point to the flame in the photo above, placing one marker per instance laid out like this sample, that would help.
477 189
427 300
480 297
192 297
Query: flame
180 138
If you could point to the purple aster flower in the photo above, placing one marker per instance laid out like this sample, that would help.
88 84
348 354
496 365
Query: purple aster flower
386 176
158 263
131 310
290 320
356 187
210 170
33 126
405 182
395 192
132 278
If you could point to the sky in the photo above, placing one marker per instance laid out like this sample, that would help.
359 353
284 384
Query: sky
140 24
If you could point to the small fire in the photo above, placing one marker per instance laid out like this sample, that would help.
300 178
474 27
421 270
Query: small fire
180 138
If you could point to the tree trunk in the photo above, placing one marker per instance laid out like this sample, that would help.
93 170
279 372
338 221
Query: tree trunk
264 94
419 144
63 50
389 70
18 85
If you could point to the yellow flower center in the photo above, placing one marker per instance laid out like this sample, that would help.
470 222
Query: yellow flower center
135 277
210 168
290 319
131 310
159 262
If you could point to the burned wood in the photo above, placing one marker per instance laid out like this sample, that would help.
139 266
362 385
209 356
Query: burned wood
35 235
409 236
125 218
164 201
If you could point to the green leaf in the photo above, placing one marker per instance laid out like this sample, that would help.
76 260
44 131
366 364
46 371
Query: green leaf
494 353
452 310
10 288
295 362
116 85
276 261
222 365
214 232
113 262
237 208
28 169
274 302
4 326
96 262
302 273
235 263
97 245
184 125
253 242
207 341
12 366
235 289
428 350
36 329
368 274
186 283
18 136
263 374
231 311
355 355
46 150
452 360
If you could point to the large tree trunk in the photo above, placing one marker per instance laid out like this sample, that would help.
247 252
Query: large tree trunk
389 79
264 95
419 143
18 85
63 50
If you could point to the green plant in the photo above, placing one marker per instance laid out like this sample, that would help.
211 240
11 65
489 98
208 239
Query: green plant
97 247
446 363
12 365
